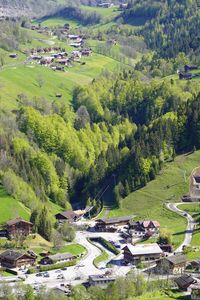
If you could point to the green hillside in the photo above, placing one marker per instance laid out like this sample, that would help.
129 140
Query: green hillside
12 83
11 208
170 185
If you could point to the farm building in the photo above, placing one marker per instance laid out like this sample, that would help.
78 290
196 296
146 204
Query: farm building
103 224
184 281
190 68
174 264
59 257
195 185
144 252
72 216
100 280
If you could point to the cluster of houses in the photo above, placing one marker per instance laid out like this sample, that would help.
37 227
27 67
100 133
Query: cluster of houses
48 31
186 73
57 58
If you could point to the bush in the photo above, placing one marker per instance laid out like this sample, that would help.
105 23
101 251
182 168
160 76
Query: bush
57 266
51 267
107 245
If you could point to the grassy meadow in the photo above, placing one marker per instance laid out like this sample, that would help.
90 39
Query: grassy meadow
23 79
11 208
169 186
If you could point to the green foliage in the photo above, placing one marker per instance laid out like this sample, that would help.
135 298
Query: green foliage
107 245
67 231
165 237
33 270
19 189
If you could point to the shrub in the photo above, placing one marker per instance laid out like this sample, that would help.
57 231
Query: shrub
106 244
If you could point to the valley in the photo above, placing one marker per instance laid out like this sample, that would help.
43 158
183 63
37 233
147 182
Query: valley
99 137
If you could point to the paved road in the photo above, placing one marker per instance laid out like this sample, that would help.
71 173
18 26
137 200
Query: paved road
85 266
190 226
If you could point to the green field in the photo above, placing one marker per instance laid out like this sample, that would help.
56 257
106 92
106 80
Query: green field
102 257
106 13
54 22
74 249
170 185
23 79
162 295
11 208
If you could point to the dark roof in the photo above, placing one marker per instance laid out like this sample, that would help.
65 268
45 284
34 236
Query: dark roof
115 220
60 256
101 278
17 220
11 255
197 179
70 215
177 259
184 281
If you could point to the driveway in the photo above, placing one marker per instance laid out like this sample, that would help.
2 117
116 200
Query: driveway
190 224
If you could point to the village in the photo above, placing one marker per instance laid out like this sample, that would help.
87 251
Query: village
54 57
124 239
129 243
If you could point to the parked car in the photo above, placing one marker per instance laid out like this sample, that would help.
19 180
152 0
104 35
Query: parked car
77 278
58 271
64 269
38 274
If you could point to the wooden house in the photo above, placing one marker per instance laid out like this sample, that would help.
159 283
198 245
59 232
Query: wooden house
69 216
186 76
13 55
184 281
142 228
18 226
15 259
103 224
174 264
100 280
190 68
141 252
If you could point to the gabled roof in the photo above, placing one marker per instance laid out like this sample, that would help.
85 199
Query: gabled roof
176 259
16 221
184 281
144 249
70 215
116 220
148 223
60 256
13 255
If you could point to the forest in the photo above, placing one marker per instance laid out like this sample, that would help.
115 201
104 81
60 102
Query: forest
119 129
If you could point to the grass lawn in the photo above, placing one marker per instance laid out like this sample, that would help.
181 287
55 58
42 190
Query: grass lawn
106 13
54 22
13 83
161 295
102 257
74 249
11 208
4 273
170 185
193 255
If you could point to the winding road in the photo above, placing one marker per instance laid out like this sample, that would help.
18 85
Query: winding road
190 224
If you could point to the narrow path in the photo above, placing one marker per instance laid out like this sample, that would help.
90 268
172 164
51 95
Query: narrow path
190 224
